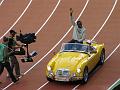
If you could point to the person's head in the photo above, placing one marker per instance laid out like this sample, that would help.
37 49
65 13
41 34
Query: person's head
5 40
12 33
79 23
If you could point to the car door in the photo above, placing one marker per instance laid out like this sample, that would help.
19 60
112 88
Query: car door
92 60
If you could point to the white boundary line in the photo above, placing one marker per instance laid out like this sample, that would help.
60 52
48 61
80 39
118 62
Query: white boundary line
7 86
51 49
1 2
37 33
48 17
112 52
109 57
105 61
113 84
56 45
105 21
43 85
17 19
99 32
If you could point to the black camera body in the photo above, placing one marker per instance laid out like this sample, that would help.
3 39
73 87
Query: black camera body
27 39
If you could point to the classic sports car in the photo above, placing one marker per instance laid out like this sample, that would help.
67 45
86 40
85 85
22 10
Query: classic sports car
75 61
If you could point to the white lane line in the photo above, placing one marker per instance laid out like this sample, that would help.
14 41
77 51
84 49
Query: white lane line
7 86
1 2
76 87
57 43
112 52
105 61
105 20
111 87
48 17
99 32
17 19
37 33
43 85
39 60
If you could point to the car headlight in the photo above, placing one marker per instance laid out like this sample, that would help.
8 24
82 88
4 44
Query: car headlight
48 68
78 70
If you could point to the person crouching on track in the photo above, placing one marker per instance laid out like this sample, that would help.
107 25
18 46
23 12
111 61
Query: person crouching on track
79 30
4 60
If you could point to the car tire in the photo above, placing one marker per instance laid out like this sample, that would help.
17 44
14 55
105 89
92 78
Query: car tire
49 79
102 57
85 76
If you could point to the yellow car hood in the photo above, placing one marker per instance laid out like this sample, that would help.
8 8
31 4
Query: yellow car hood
69 60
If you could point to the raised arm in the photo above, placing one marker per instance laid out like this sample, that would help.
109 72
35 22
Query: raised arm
71 17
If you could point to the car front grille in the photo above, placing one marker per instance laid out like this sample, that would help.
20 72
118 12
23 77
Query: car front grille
62 75
63 72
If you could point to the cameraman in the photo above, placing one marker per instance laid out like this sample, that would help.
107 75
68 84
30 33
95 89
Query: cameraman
14 45
4 59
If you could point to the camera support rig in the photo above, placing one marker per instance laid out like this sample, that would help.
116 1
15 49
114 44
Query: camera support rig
27 39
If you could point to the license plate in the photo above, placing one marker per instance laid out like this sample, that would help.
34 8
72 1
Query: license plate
62 79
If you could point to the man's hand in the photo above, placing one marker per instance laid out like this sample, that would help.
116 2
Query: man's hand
71 11
24 45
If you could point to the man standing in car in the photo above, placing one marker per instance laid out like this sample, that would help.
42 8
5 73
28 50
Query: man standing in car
79 30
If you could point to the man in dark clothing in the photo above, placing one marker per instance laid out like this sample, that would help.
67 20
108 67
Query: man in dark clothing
14 45
4 59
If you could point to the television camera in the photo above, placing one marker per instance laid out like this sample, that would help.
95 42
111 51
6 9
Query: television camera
26 39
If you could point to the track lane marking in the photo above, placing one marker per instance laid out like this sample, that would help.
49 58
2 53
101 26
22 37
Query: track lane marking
99 32
41 58
36 34
111 87
112 52
105 61
7 86
70 28
57 44
105 21
17 19
48 18
1 2
43 85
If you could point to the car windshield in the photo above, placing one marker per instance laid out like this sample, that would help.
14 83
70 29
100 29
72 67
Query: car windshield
77 47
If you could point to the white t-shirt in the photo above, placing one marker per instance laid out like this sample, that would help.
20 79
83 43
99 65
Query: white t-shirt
78 33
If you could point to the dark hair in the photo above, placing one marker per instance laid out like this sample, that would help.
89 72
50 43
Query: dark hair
5 39
12 32
79 23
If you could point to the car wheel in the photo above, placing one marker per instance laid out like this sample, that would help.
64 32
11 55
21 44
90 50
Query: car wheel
85 76
49 79
102 57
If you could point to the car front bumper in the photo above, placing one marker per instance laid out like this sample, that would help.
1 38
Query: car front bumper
64 78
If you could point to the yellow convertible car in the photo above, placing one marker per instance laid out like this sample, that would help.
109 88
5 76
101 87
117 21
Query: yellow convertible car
75 61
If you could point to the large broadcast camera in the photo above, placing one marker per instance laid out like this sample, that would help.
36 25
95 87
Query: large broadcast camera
27 39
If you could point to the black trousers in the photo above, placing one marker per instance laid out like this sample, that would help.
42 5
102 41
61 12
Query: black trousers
15 65
7 66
